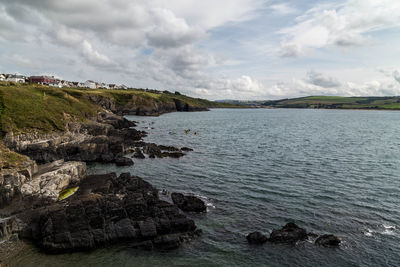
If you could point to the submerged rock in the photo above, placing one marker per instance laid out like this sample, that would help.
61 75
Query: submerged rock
124 161
290 233
256 238
328 241
188 203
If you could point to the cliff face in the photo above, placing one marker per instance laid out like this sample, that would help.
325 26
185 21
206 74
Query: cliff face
143 106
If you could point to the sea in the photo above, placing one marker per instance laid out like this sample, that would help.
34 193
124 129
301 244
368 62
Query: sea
329 171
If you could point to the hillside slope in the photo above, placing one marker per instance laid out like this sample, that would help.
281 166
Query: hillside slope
26 107
337 102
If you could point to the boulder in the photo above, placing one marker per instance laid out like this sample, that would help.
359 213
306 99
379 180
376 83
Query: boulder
123 161
108 209
138 154
328 241
290 233
188 203
256 238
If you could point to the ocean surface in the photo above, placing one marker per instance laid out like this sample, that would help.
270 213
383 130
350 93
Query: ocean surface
329 171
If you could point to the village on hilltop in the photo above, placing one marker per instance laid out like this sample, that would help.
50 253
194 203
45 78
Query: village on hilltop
52 81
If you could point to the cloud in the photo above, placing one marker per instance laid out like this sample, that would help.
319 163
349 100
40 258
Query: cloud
172 31
283 9
396 75
349 24
319 79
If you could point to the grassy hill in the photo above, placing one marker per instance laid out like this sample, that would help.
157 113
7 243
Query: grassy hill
337 102
24 107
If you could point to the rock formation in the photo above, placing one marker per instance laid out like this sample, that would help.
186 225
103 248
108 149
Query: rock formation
188 203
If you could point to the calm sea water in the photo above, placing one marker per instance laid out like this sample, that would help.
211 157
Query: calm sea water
330 171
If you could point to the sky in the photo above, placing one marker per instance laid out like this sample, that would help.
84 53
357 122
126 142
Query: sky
224 49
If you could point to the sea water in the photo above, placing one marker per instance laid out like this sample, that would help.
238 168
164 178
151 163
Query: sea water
329 171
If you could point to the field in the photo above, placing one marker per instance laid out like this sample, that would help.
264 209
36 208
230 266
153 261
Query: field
337 102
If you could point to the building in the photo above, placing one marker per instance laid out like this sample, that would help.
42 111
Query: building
2 77
47 80
90 84
15 78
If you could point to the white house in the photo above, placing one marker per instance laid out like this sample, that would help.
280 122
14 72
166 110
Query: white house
90 84
2 77
15 78
123 87
104 86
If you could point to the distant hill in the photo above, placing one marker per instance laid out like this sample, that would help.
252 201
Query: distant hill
337 102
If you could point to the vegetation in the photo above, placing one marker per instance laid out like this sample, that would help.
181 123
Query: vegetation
10 159
337 102
24 107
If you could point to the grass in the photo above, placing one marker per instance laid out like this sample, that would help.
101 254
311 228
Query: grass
338 102
27 107
10 159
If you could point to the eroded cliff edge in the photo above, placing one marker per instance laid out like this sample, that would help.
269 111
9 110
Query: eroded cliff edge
51 137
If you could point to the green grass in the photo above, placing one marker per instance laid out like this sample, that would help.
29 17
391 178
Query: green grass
10 159
27 107
338 102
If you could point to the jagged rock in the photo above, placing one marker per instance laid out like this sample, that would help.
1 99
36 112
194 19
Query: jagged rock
124 161
186 149
138 154
11 180
8 227
256 238
290 233
106 210
52 178
188 203
328 241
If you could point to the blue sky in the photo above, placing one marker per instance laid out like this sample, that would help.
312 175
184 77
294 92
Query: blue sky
226 49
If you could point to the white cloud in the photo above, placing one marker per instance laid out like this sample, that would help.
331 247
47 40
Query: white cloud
396 75
283 9
348 24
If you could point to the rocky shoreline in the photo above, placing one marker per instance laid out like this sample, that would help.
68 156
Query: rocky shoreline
105 209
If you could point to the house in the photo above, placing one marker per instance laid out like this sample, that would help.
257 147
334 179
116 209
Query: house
56 83
104 86
15 78
90 84
2 77
47 80
123 87
112 86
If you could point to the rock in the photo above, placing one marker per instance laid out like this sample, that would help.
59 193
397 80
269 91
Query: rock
256 238
290 233
124 161
8 228
328 241
186 149
138 154
188 203
109 209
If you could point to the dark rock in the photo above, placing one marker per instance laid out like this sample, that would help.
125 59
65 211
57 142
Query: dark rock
186 149
8 227
172 154
290 233
188 203
124 161
256 238
138 154
328 241
107 210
